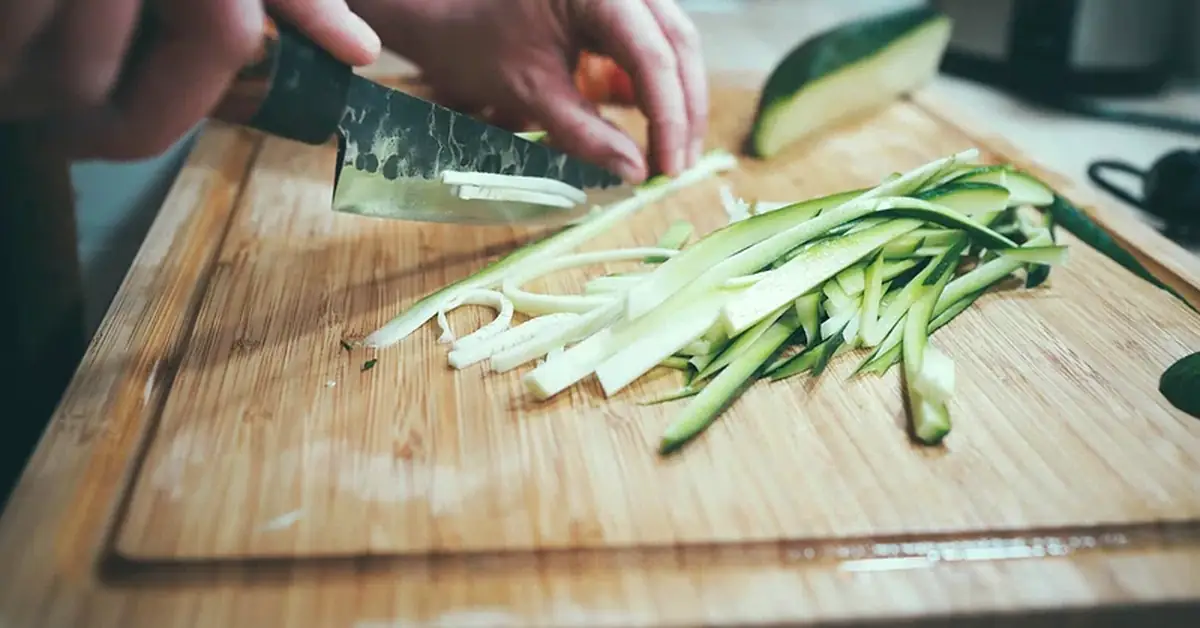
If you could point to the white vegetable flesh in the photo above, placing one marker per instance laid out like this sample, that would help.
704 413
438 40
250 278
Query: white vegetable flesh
535 304
550 248
818 273
491 298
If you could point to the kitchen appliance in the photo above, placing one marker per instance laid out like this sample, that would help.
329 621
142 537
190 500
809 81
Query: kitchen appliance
1086 47
1070 55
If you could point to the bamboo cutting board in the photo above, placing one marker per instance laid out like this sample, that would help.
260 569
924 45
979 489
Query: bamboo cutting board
243 469
1059 422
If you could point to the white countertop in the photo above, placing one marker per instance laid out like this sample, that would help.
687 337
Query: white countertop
750 36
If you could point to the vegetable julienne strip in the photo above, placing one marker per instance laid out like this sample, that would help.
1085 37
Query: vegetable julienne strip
727 386
541 185
501 303
931 289
930 414
476 192
532 303
876 268
670 278
675 237
586 357
462 357
560 243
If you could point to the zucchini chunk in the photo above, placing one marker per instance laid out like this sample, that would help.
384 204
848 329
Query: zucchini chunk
846 72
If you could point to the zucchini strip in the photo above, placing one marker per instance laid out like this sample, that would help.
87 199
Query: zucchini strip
740 344
515 182
608 284
881 363
815 358
930 414
965 288
536 304
807 271
582 327
562 242
680 271
476 192
675 237
463 356
677 363
808 311
726 387
872 297
819 215
490 298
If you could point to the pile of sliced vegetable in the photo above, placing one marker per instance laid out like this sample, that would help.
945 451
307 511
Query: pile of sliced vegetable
781 290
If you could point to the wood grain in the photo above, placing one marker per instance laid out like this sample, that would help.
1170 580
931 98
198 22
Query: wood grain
1060 424
414 495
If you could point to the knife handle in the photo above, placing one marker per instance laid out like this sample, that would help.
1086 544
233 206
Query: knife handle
292 88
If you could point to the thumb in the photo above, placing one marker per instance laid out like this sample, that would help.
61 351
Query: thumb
332 26
578 128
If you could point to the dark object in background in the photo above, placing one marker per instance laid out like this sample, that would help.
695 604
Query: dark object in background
41 292
1062 54
1082 47
1170 189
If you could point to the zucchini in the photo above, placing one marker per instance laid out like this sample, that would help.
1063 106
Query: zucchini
808 311
536 253
675 362
675 237
1180 384
807 271
813 359
1023 188
968 197
829 257
875 268
727 386
879 364
930 413
1074 220
741 344
872 297
845 72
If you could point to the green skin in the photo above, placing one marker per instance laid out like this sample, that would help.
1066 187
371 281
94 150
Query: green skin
1178 384
830 52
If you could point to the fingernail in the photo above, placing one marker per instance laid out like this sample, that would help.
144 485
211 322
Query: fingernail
628 169
697 150
677 162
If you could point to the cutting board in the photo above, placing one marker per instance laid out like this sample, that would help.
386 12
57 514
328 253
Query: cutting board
266 446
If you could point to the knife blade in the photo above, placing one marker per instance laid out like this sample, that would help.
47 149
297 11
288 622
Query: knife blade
399 155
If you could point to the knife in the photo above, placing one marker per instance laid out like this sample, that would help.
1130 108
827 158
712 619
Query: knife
400 156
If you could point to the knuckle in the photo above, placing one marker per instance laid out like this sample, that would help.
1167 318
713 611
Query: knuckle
236 30
683 35
659 59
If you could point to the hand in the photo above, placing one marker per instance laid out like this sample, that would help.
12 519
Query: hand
517 56
67 63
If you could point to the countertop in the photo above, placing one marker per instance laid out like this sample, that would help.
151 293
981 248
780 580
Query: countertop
750 36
